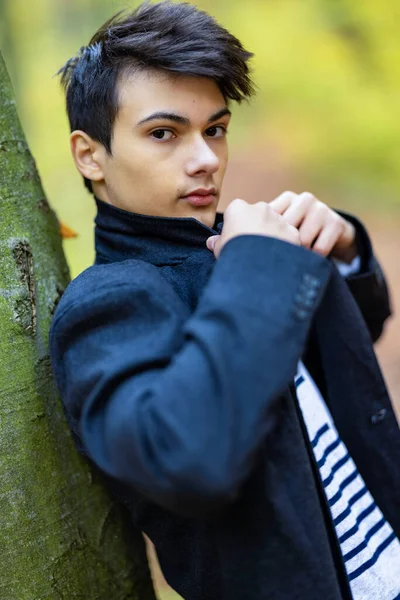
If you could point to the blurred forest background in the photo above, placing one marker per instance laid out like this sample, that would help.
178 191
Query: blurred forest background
326 117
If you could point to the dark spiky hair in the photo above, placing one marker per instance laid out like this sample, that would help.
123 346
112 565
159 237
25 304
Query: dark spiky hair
174 37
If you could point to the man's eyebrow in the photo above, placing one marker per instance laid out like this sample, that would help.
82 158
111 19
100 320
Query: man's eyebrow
219 114
167 116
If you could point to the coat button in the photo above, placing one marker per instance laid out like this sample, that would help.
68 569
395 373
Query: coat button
311 294
301 314
311 281
379 416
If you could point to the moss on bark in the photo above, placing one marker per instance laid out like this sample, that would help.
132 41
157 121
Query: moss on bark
61 537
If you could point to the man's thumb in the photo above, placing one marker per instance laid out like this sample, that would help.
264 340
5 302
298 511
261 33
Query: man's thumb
211 241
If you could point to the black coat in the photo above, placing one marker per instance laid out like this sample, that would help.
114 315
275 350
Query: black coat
176 375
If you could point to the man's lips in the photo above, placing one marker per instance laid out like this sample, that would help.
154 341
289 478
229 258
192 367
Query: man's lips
200 197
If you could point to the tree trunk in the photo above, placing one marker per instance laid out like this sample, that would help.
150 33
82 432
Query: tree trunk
61 535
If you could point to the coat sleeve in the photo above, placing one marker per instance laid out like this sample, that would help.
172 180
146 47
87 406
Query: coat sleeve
369 286
174 404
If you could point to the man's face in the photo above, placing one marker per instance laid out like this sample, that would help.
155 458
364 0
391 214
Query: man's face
169 140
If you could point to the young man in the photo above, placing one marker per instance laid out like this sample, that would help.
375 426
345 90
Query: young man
178 354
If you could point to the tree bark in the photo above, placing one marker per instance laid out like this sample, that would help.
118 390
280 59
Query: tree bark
62 537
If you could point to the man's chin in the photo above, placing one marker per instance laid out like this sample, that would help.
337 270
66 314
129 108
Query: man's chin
204 214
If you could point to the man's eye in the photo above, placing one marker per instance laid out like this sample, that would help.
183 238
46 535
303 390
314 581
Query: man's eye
162 134
216 132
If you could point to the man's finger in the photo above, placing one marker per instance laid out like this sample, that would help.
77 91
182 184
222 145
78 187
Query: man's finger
211 241
327 239
282 202
214 244
299 209
310 228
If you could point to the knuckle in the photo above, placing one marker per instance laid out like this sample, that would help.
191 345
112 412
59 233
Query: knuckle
266 210
308 195
234 205
307 199
321 207
335 221
286 197
338 220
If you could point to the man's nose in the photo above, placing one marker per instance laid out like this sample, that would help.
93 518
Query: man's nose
201 158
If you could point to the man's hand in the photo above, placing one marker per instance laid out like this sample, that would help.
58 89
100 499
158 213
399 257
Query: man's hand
321 229
241 218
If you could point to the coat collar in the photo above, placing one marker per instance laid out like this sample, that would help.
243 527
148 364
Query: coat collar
120 234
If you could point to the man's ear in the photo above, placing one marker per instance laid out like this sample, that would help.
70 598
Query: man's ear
88 155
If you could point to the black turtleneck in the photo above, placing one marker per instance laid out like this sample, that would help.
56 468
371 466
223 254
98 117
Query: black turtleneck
120 234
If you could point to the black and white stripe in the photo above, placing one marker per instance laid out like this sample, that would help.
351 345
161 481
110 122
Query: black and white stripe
370 549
